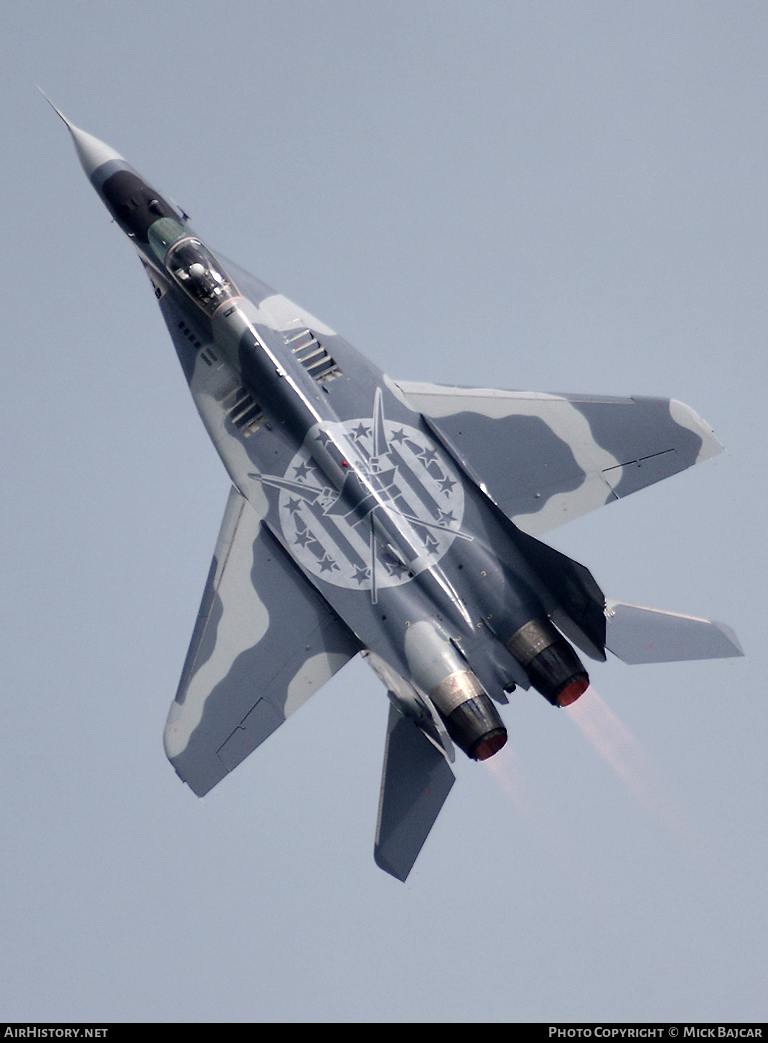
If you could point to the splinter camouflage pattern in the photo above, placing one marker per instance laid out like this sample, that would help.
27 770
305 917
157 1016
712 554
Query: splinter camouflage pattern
392 519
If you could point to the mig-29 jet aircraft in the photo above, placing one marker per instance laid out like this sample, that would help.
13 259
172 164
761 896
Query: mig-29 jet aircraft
389 519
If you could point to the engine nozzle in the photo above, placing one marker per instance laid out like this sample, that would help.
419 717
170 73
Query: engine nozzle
471 719
552 665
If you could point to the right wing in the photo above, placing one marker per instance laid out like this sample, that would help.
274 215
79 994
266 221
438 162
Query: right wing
545 459
264 641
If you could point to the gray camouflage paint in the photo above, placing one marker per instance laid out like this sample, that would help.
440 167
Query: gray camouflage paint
234 690
396 519
547 459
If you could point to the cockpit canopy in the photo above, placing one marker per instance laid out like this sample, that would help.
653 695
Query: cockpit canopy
191 264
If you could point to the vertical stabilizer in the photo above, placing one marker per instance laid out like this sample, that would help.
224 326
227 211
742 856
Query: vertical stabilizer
415 781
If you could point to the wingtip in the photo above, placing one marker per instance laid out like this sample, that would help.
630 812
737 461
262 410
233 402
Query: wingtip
690 419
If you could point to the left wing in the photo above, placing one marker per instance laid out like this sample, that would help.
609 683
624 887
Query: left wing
264 641
545 459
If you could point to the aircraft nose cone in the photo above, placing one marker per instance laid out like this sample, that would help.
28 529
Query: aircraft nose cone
91 152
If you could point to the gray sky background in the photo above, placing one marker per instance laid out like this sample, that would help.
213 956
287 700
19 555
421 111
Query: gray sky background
560 196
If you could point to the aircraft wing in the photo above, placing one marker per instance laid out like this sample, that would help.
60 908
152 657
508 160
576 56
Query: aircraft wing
264 641
545 459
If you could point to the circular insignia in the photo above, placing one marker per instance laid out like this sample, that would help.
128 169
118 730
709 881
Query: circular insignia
417 491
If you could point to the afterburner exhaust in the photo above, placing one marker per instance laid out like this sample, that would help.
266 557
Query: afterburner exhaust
455 691
552 665
470 717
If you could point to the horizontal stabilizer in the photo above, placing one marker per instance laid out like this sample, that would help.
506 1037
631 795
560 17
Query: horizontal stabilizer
648 635
415 781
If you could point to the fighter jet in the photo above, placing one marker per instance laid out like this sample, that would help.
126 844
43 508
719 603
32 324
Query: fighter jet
393 520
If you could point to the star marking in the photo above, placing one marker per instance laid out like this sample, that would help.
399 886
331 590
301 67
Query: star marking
395 568
394 469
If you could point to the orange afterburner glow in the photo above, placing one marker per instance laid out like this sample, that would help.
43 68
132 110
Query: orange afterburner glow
572 691
490 744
